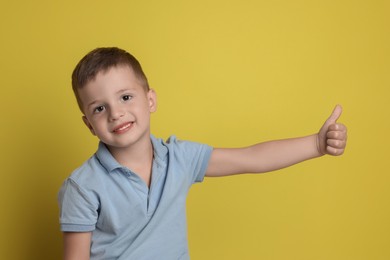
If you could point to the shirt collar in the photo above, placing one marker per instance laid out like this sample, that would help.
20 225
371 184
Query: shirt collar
160 151
109 162
106 159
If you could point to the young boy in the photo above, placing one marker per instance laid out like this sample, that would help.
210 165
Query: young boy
128 200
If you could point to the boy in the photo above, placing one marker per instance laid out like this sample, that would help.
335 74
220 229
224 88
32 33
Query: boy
128 200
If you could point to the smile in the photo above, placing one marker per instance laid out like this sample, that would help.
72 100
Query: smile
123 128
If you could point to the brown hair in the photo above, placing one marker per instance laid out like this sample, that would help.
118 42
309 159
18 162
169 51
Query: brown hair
101 60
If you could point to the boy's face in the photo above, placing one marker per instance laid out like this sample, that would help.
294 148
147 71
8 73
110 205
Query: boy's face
117 108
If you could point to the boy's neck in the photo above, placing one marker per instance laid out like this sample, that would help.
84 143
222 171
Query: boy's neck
138 158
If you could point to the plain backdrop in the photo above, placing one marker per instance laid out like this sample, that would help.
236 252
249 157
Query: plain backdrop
227 73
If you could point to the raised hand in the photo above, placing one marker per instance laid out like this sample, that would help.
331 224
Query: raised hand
332 137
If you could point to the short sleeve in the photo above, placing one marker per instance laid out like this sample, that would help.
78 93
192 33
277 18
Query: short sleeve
195 156
78 208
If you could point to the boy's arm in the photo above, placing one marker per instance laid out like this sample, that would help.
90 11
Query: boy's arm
274 155
77 246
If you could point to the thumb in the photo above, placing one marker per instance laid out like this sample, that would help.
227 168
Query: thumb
322 143
335 115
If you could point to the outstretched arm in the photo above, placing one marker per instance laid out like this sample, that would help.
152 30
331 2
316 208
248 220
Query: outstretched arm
77 245
274 155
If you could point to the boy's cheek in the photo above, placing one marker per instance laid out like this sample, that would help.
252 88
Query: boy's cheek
88 124
92 131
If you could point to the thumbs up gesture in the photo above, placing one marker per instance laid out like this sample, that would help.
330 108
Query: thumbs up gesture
332 137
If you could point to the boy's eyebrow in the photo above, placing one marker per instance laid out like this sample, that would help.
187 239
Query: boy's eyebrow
118 92
92 103
125 90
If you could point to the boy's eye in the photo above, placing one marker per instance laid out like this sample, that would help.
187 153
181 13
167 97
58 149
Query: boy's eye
126 97
98 109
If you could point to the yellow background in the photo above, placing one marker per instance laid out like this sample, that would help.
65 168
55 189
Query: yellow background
227 73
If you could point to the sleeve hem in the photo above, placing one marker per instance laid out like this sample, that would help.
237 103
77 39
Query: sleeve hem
206 157
77 228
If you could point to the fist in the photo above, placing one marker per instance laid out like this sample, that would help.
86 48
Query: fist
332 137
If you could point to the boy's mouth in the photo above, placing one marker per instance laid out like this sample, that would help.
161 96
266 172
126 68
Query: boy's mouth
123 127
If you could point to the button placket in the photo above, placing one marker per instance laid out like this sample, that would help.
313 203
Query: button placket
139 188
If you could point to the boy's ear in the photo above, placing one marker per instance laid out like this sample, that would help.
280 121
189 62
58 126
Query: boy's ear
152 98
86 122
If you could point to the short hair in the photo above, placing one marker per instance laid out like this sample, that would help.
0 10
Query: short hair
101 60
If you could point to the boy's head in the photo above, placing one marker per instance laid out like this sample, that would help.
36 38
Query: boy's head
101 60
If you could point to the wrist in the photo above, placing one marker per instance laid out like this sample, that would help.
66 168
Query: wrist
318 145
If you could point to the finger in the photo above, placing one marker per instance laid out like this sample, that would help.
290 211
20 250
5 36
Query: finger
334 151
338 144
335 114
337 135
337 127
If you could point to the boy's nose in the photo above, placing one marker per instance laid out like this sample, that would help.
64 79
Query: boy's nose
116 113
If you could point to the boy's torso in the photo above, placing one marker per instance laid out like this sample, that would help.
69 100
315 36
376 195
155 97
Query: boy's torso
129 219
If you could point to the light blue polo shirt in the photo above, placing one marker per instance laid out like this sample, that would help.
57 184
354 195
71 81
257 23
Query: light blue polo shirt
127 219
